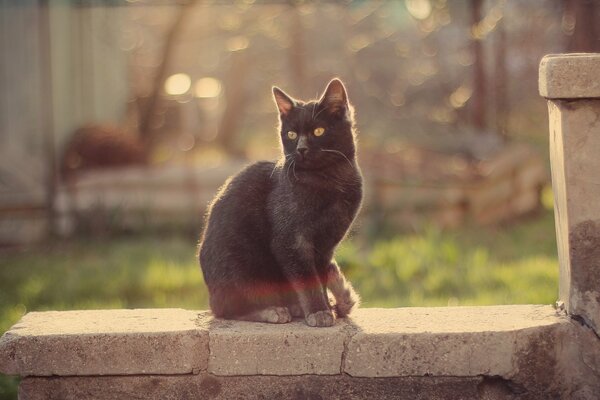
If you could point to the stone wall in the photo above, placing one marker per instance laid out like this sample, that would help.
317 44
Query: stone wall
498 352
504 186
135 198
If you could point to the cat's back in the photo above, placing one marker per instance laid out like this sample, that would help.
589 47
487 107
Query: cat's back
235 243
252 182
241 200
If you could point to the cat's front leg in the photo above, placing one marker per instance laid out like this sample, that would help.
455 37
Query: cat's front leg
298 267
346 298
311 295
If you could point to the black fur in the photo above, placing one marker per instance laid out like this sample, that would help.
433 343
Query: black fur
272 229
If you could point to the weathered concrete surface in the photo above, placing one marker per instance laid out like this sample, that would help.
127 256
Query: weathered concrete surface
108 342
570 76
492 352
576 366
453 341
307 387
248 348
574 150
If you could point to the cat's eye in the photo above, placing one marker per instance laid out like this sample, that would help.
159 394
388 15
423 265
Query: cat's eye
319 131
292 135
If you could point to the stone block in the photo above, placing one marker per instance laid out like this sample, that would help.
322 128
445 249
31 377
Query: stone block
494 213
574 150
398 196
450 217
248 348
445 341
305 387
496 192
107 342
532 175
505 162
526 201
570 76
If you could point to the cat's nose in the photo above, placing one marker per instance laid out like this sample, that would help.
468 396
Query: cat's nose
302 151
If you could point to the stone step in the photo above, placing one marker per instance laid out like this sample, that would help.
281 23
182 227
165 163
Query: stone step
523 345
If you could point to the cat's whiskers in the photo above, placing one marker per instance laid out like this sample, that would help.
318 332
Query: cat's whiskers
340 153
294 169
287 171
315 106
272 172
320 111
278 164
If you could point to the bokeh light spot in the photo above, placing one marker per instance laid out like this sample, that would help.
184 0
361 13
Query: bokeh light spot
178 84
460 96
237 43
419 9
207 88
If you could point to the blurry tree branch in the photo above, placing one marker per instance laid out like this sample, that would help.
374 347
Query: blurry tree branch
297 52
235 100
501 79
150 106
479 84
581 21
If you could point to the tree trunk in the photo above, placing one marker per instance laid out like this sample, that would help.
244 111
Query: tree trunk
585 34
48 115
235 100
479 86
297 54
150 106
501 80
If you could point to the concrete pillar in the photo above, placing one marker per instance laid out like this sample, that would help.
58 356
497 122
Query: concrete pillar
571 83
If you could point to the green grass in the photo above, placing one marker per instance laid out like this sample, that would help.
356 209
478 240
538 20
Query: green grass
470 266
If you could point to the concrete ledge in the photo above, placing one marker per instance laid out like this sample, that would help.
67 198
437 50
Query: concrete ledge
249 348
107 342
449 341
570 76
526 348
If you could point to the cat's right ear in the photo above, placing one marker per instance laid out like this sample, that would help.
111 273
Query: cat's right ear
284 102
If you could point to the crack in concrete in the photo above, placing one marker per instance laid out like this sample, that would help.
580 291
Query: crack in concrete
583 322
350 331
202 322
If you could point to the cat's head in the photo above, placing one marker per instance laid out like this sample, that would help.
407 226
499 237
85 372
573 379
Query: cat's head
317 133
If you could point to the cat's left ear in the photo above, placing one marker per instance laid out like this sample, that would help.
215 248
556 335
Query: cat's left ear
284 102
335 99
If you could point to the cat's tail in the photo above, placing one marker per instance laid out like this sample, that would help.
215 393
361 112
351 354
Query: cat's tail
346 298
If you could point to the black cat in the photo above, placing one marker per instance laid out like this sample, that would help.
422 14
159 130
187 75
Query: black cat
271 231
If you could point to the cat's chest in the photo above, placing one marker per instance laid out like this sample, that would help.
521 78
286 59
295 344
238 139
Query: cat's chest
323 210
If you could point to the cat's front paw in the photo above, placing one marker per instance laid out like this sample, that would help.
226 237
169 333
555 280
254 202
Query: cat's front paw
320 319
277 315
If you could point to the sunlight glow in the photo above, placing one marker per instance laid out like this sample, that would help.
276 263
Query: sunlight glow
207 88
178 84
419 9
460 96
237 43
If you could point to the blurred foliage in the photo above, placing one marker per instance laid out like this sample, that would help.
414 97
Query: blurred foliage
470 266
408 66
483 266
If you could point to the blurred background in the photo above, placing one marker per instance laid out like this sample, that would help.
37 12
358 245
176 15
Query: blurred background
120 119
